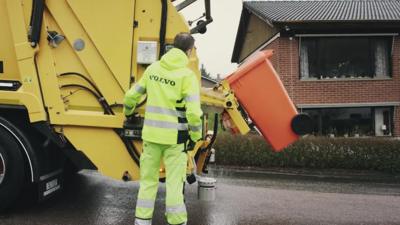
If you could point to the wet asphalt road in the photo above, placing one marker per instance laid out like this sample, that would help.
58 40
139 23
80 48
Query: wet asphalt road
243 198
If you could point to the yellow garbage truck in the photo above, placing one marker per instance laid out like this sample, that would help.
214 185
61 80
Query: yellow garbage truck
64 68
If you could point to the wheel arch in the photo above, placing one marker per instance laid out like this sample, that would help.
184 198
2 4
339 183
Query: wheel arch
8 116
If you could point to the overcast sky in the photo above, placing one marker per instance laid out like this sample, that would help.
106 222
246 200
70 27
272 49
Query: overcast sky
215 47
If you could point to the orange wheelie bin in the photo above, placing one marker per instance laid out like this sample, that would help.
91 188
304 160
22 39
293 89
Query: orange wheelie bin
261 93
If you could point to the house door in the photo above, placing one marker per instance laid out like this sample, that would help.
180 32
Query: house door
383 122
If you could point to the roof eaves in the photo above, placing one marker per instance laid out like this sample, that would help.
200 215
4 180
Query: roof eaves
258 14
209 79
247 11
243 23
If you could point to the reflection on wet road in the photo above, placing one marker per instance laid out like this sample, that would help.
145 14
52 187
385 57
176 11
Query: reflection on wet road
242 199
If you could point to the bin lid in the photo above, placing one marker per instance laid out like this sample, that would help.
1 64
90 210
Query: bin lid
207 182
250 63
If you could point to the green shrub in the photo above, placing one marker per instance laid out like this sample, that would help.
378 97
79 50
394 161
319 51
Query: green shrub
380 154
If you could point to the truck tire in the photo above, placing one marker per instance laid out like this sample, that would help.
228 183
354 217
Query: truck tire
12 171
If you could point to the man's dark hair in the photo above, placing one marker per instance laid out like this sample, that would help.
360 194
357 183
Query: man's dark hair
184 41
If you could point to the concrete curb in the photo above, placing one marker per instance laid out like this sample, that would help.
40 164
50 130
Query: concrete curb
324 174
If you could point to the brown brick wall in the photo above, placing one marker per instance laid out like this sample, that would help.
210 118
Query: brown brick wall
275 57
286 62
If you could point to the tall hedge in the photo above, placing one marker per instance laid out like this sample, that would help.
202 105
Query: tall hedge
380 154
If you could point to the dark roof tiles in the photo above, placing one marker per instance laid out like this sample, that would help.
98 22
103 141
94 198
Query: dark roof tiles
325 10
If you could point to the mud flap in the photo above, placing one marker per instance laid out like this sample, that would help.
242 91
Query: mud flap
50 184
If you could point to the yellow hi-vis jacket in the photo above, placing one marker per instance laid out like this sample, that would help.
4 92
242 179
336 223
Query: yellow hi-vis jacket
173 110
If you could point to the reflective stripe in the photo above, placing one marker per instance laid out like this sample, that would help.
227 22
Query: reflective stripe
142 222
176 209
165 111
145 203
165 124
195 128
128 107
192 98
140 89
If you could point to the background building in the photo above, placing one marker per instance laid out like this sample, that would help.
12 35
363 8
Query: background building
339 60
208 82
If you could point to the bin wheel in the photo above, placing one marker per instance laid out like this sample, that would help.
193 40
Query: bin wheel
12 171
302 124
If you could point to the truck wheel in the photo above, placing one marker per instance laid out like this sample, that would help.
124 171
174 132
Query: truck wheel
12 174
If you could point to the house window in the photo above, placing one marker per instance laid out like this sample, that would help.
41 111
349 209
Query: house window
351 122
345 57
383 121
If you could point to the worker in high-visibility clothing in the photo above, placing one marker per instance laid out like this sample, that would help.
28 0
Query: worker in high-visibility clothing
172 123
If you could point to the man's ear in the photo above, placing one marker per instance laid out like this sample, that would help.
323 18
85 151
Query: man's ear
188 52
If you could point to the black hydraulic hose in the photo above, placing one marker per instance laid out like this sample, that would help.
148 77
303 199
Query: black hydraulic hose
32 10
142 103
215 130
98 97
39 81
36 22
116 105
208 9
212 141
82 87
163 26
83 77
129 147
108 107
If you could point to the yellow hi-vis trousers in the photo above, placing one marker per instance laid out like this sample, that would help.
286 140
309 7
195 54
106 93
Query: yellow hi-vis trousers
175 161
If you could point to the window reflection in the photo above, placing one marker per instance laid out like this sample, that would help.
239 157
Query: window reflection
351 122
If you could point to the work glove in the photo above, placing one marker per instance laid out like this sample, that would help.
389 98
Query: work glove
128 111
130 120
131 116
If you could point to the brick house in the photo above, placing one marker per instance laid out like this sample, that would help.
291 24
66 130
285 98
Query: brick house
338 59
208 82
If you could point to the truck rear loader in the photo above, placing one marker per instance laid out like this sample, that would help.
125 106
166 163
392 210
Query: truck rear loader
64 68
